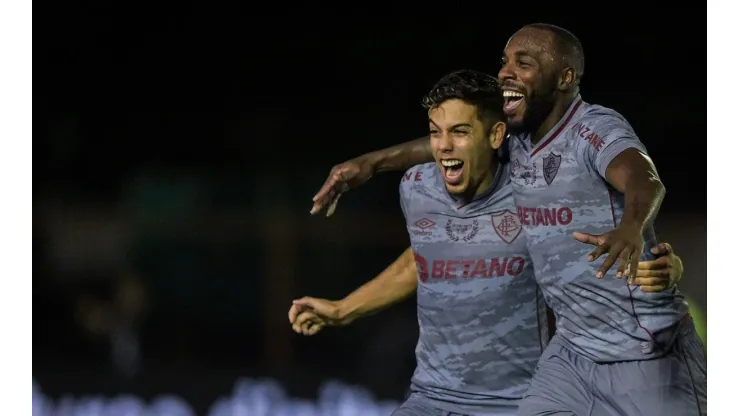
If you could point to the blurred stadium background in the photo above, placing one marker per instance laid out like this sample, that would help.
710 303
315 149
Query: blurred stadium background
176 154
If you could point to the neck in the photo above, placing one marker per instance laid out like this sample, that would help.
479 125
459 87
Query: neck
485 184
556 114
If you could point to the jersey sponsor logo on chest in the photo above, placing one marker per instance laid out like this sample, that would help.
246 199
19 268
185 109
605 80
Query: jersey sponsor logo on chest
469 268
545 216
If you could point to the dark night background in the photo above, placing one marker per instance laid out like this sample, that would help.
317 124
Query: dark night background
177 151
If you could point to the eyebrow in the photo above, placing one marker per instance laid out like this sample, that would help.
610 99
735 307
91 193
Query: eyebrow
520 53
452 127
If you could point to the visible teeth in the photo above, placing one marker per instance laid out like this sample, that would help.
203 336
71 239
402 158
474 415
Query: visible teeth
513 94
451 163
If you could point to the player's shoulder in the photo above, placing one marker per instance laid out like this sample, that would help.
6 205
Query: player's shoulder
419 177
599 120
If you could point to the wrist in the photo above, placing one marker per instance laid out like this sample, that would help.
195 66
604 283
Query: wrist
346 312
633 225
375 160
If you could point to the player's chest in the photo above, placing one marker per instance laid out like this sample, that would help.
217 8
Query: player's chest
480 251
451 231
453 270
552 186
551 167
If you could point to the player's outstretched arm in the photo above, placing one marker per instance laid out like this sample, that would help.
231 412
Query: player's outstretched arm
632 173
355 172
397 282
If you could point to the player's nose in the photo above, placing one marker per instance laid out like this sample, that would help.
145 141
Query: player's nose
445 143
506 73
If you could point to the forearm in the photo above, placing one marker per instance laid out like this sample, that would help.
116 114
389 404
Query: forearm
642 198
402 156
633 174
394 284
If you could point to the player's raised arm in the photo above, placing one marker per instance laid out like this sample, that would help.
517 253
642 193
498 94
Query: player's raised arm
357 171
397 282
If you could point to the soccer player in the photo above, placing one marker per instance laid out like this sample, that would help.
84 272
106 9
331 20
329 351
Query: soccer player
482 318
580 175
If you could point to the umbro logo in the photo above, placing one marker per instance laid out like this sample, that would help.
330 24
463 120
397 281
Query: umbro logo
423 227
425 223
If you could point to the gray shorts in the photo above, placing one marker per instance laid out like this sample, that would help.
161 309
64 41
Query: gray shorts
566 383
418 405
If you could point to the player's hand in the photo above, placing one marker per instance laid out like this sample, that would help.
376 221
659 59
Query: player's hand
342 178
310 315
661 274
624 243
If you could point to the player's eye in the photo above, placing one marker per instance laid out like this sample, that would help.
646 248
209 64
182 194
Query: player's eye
433 132
460 132
523 64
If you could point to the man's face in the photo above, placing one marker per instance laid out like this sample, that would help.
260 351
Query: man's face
462 147
529 78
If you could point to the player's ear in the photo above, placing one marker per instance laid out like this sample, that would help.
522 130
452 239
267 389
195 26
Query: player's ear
567 78
498 134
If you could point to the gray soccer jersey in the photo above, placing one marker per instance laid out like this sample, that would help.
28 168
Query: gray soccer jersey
482 319
559 188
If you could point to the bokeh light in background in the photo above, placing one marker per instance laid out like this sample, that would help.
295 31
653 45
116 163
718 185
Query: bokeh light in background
177 154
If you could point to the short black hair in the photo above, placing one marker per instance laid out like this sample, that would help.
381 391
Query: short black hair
475 88
568 45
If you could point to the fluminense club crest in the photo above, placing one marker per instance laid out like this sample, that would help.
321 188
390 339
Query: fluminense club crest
550 166
507 225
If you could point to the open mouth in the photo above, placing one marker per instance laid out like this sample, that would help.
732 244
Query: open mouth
453 169
512 99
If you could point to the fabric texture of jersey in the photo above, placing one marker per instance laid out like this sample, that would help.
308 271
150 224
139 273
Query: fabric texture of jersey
559 188
482 319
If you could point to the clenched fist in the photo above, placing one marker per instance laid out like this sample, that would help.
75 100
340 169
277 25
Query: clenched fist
310 315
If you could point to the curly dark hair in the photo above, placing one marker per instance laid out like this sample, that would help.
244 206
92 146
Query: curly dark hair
475 88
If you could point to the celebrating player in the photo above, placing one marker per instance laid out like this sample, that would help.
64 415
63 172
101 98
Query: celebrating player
482 319
579 170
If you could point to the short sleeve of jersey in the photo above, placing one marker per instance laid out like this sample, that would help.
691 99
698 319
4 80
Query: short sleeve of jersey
402 200
601 136
404 191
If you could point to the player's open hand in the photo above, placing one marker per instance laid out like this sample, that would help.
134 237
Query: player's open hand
310 315
661 274
624 243
342 178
